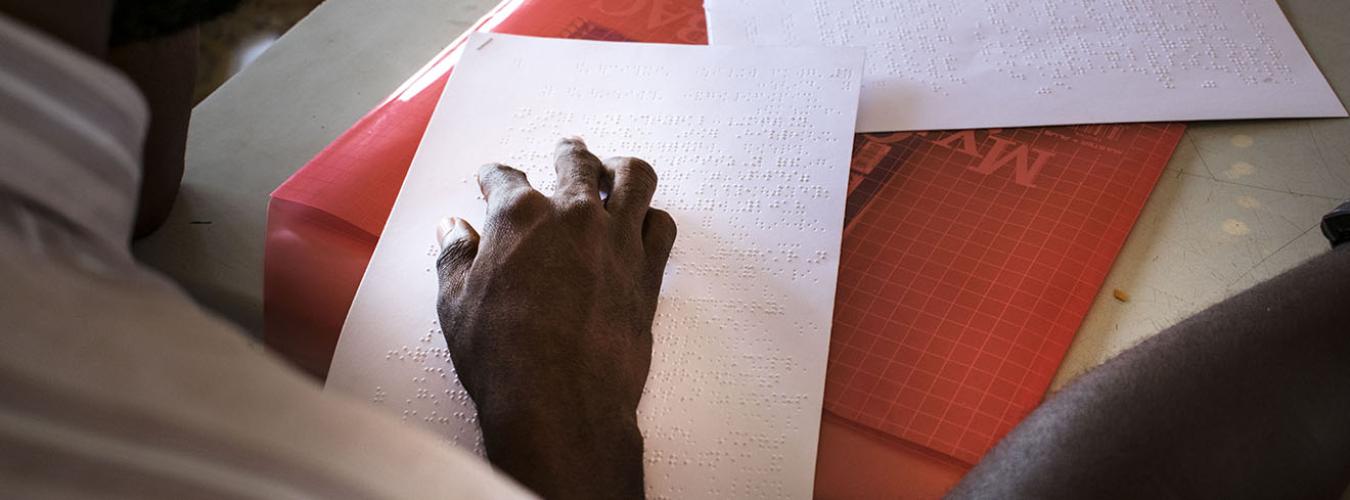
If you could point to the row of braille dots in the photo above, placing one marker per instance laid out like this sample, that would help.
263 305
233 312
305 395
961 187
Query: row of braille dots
1196 50
1071 65
734 374
809 328
433 252
706 458
770 120
757 153
935 70
528 121
646 120
435 417
733 72
760 440
458 439
684 348
457 397
798 73
663 429
687 376
698 306
593 93
766 203
698 134
780 135
686 333
915 51
705 203
769 403
746 486
708 326
660 149
771 93
799 224
419 354
624 70
716 324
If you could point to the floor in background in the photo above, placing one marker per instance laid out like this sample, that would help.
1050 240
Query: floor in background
233 40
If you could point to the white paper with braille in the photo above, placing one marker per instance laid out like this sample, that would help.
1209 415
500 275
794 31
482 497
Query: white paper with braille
957 64
752 149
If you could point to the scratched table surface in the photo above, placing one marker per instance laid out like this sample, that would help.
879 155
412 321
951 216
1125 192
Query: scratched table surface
1239 203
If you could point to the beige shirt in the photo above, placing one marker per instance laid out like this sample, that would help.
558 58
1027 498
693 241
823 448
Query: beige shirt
113 383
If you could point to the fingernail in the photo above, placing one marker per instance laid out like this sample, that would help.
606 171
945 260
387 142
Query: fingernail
445 230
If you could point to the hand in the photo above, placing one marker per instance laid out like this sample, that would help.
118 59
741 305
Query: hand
548 319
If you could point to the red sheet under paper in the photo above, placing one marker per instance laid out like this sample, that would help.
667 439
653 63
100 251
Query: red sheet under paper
969 257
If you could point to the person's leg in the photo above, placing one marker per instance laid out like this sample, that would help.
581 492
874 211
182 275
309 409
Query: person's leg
1248 399
155 43
165 69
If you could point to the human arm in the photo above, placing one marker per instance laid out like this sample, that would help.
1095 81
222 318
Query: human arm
1247 399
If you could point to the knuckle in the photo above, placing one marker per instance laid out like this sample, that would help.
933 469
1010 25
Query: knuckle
636 170
491 169
496 175
576 155
571 144
577 208
517 200
446 311
454 253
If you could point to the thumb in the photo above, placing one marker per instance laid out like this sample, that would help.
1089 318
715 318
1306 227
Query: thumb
459 246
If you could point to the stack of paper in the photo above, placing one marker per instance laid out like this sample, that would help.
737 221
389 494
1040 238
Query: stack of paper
969 257
752 147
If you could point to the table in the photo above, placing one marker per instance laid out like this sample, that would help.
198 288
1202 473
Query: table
1239 202
269 119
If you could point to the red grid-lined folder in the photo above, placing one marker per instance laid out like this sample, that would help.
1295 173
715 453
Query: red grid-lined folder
969 261
969 257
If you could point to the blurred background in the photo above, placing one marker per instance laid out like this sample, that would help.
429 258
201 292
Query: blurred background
232 41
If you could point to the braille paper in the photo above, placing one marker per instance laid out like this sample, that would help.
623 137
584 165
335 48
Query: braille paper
752 147
944 64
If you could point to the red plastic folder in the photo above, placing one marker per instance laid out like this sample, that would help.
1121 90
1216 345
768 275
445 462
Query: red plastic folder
969 257
969 261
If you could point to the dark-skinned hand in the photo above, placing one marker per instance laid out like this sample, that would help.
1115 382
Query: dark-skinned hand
548 318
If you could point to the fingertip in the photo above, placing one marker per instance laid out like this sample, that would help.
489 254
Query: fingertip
450 230
659 230
444 229
571 146
573 140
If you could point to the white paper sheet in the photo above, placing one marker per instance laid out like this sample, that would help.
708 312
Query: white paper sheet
752 149
957 64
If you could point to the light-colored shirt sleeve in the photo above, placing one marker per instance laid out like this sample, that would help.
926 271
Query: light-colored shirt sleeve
113 383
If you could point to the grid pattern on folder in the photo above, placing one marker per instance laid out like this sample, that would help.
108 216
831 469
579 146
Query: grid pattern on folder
969 260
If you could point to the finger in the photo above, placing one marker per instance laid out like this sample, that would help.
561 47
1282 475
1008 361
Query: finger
500 183
658 236
634 184
459 248
578 171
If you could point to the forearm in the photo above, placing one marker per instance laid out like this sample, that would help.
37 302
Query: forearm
1248 399
558 456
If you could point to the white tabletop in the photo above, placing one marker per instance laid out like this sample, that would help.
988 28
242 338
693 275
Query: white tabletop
1239 203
